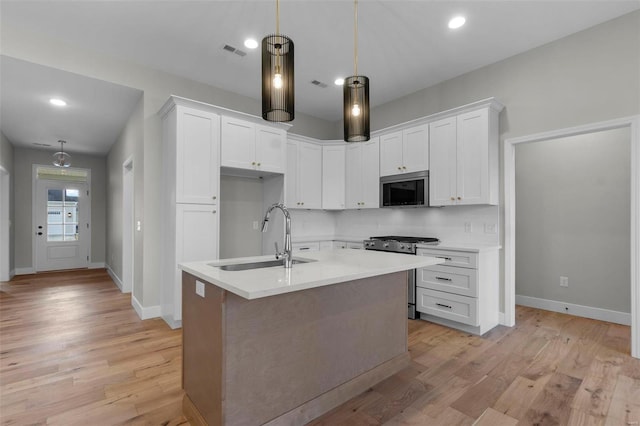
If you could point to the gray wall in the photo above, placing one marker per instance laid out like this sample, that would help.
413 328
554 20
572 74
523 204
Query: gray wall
573 219
6 161
23 160
240 206
124 147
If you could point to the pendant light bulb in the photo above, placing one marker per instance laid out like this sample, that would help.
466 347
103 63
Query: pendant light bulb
355 111
277 81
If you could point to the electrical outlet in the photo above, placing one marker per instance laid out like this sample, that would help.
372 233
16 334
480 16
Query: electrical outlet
564 281
468 227
490 228
200 288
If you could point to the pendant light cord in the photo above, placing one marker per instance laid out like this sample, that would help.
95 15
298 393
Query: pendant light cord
277 17
355 38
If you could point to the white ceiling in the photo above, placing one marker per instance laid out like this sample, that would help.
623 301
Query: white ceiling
94 117
404 46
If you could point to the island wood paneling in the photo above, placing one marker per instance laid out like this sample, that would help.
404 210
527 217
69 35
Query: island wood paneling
280 354
74 352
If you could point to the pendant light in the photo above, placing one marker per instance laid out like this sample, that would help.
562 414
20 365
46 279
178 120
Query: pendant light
356 97
277 75
61 158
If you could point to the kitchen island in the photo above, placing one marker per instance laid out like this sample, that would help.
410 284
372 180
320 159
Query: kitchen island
282 346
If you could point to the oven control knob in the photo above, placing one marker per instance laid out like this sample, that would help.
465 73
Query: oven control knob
385 245
402 247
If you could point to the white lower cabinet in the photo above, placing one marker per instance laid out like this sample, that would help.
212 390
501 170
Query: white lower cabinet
462 292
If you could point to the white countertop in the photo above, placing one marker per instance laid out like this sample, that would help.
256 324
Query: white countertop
330 267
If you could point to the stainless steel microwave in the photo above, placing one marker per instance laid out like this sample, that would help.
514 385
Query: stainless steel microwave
405 190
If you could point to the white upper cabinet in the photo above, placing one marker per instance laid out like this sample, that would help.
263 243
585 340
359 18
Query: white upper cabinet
464 159
196 144
405 151
333 177
304 175
363 174
247 145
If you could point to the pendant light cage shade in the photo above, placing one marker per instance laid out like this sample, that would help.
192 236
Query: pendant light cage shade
278 89
356 109
61 158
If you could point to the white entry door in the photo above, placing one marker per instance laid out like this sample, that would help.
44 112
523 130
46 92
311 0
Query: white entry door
62 229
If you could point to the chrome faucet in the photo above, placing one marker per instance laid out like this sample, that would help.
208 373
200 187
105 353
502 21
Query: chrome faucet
288 259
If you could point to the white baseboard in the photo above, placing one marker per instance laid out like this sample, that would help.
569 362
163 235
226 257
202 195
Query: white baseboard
114 277
623 318
25 271
97 265
145 312
171 322
12 273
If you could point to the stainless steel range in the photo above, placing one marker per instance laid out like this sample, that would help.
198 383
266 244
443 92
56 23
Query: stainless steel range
407 245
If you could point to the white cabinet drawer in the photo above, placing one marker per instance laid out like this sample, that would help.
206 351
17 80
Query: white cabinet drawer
453 307
315 246
463 259
357 246
463 281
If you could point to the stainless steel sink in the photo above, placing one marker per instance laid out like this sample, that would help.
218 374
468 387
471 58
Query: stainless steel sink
258 265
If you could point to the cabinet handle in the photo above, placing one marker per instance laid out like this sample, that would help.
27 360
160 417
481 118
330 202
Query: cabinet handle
258 164
443 279
214 197
453 198
404 167
459 198
214 212
399 168
253 163
303 248
442 257
444 306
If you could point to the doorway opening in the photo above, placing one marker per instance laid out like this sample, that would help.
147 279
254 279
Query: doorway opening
5 225
127 225
633 124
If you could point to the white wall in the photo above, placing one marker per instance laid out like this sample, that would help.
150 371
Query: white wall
6 161
572 219
24 158
130 139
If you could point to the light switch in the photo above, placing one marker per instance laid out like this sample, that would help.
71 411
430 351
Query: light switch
200 288
138 226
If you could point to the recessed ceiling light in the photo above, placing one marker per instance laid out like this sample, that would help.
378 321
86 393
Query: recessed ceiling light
57 102
339 81
457 22
250 43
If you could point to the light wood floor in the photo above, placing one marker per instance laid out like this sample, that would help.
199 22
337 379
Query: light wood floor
73 352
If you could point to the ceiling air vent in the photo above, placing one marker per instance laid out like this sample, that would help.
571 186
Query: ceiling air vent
232 49
318 83
41 144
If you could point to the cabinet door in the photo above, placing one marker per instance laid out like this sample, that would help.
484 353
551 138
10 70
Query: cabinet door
353 176
291 176
270 149
415 149
442 162
371 173
196 240
473 158
333 177
391 161
197 166
238 143
310 175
